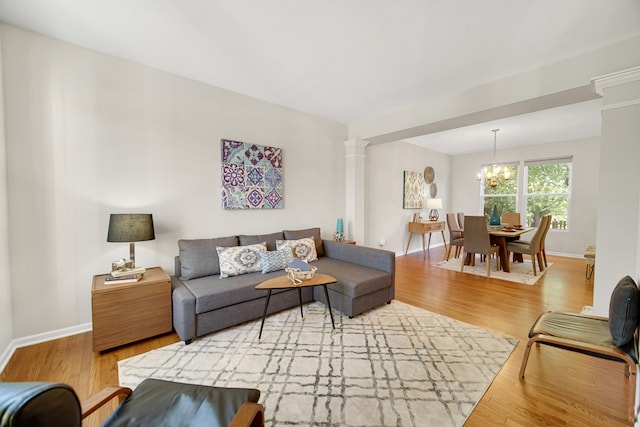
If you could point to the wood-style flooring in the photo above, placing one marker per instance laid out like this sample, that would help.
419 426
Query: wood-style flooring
561 388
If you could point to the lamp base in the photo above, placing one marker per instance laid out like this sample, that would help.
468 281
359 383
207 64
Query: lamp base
433 215
132 254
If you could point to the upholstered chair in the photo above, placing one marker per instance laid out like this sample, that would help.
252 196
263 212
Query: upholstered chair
455 235
613 338
477 241
533 247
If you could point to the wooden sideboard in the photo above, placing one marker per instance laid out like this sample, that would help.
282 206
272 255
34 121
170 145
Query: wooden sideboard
423 228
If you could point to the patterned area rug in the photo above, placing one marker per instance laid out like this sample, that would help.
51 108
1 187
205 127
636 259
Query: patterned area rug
391 366
519 272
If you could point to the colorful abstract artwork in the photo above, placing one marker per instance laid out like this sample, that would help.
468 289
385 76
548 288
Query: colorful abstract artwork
412 197
251 176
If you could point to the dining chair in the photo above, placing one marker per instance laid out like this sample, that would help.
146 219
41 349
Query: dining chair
533 247
455 235
511 218
544 239
461 219
477 241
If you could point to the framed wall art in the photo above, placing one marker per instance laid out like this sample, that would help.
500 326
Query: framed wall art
251 176
412 196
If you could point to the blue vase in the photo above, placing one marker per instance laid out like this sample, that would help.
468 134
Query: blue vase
495 216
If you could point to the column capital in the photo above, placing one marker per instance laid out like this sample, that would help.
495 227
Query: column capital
355 146
629 75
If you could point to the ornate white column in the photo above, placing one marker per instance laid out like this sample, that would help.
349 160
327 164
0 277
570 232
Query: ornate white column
355 189
618 229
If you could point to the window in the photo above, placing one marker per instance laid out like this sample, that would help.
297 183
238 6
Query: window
505 193
547 190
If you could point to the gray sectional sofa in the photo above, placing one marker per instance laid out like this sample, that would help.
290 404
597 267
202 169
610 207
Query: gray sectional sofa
203 302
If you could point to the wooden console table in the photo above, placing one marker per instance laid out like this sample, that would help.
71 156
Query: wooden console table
423 228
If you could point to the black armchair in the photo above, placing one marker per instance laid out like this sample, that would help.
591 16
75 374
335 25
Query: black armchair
153 402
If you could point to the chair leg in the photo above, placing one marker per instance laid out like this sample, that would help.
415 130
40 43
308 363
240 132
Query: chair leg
449 251
632 394
525 358
462 262
540 261
544 256
533 264
489 265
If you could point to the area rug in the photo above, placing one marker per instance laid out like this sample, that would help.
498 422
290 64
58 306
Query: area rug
519 272
396 365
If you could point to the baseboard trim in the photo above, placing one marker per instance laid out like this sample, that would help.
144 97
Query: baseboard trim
38 338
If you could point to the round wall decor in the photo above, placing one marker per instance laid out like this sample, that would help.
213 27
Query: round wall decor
433 190
429 174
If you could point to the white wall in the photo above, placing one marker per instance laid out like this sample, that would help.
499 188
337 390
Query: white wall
617 252
386 218
6 312
88 135
583 206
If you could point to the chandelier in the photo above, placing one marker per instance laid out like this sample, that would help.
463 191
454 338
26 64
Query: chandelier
496 173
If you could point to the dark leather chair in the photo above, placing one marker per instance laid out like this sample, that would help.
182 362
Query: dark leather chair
152 403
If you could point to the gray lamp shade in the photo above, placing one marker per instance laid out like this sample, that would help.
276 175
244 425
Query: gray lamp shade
130 228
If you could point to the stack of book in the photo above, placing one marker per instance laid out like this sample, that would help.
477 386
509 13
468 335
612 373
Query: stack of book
130 275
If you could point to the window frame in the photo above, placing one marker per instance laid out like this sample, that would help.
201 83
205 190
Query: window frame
525 187
522 195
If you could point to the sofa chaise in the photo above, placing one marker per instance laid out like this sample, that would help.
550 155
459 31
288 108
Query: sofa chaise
205 301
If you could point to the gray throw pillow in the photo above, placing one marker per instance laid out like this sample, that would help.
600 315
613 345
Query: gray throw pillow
199 258
269 239
307 232
623 311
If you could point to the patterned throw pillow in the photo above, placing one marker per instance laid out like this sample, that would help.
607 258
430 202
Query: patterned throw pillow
238 260
305 249
275 260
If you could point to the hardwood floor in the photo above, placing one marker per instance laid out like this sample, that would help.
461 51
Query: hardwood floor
561 388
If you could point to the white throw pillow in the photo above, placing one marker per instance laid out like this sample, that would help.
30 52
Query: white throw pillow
305 249
237 260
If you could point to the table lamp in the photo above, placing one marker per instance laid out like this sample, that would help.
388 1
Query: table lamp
130 228
434 205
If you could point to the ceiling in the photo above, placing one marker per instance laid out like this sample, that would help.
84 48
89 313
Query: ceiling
350 60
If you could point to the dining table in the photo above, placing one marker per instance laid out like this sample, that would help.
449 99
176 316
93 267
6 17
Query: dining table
500 236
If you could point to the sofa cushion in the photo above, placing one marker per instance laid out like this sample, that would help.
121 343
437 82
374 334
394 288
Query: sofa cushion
275 260
307 232
305 249
269 239
199 258
623 311
353 280
237 260
211 293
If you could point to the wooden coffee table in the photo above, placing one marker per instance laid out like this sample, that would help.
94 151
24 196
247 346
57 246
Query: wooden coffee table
283 282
